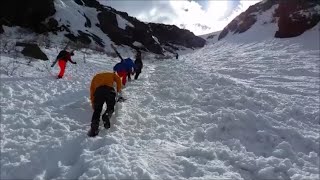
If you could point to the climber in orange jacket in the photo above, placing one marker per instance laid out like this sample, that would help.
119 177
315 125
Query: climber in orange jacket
102 91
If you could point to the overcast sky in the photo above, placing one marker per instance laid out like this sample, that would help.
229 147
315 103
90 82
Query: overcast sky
198 16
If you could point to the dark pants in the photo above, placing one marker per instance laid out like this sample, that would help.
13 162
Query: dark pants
137 75
62 65
129 75
102 94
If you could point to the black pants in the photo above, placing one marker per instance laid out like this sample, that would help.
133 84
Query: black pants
137 75
102 94
138 71
129 75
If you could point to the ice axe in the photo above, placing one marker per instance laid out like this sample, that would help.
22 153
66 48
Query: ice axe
115 50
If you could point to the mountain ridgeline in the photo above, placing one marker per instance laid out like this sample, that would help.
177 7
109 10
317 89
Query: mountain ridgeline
292 17
91 24
95 25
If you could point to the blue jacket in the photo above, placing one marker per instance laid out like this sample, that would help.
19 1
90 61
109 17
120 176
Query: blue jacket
129 64
119 67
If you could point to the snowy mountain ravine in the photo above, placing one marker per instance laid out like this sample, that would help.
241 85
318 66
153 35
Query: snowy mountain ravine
227 111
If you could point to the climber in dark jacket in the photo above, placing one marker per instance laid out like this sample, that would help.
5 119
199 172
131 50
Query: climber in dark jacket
138 65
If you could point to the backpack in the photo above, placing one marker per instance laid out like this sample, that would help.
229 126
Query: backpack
61 55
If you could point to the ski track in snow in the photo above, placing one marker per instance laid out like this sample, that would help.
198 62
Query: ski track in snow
226 111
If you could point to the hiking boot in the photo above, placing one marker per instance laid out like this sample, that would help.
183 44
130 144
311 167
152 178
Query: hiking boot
106 124
93 133
106 120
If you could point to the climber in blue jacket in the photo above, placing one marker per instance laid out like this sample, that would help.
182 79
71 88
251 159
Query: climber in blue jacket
130 67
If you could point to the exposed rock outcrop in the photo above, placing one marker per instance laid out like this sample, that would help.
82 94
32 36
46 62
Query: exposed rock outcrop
32 50
118 26
294 17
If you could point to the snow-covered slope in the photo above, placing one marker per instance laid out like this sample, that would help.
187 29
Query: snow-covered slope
211 37
231 110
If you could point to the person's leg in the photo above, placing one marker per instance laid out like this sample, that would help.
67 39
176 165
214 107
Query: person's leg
137 75
62 65
123 76
111 101
98 105
138 71
129 76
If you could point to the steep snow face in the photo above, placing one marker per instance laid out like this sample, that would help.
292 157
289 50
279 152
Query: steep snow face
232 110
122 23
262 29
280 19
78 18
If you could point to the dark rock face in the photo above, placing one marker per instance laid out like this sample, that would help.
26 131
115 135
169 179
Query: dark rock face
140 32
245 20
90 3
143 33
26 13
84 38
172 34
293 19
35 15
32 50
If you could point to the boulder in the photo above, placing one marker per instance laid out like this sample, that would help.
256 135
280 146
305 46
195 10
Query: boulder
295 17
32 50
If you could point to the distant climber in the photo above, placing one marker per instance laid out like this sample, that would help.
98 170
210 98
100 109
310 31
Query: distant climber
124 69
102 91
138 65
130 66
62 59
177 55
120 69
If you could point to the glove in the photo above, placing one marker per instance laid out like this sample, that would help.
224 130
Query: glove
119 95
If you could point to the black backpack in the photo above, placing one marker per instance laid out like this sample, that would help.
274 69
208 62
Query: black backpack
61 55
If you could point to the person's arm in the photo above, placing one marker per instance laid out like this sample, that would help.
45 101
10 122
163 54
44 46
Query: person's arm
92 89
72 61
69 59
118 81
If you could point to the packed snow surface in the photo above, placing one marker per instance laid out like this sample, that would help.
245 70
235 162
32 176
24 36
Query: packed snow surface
230 110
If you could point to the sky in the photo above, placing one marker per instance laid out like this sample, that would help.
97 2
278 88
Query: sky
233 109
198 16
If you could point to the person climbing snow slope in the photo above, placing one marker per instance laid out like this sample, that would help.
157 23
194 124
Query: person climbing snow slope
62 59
102 91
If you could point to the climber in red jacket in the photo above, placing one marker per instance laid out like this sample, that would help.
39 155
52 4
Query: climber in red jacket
62 59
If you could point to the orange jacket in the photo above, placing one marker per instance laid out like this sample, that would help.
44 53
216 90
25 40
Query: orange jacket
104 79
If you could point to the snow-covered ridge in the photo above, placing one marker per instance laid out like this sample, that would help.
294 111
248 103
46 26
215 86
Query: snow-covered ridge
92 25
283 19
